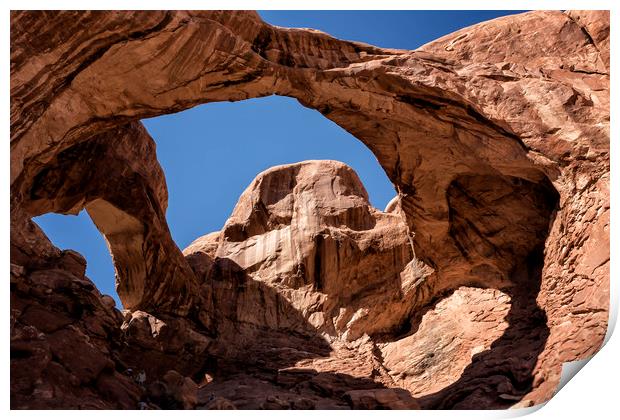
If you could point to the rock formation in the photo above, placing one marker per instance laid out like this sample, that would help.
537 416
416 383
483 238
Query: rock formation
489 270
307 234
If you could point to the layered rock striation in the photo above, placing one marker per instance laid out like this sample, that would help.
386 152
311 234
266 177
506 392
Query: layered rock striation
490 269
306 234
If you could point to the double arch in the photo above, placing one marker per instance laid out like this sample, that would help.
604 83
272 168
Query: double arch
451 151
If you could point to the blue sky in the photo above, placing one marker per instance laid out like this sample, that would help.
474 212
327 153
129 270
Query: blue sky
211 153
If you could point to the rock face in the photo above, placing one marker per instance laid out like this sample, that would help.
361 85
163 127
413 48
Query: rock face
490 269
137 234
306 234
65 341
71 348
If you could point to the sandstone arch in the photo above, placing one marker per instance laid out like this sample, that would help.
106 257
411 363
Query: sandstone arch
104 175
467 105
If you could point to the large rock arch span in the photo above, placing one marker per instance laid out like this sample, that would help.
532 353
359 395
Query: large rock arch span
467 125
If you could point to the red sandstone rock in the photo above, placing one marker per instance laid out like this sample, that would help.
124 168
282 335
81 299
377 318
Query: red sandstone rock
220 404
373 399
306 233
182 389
496 137
64 343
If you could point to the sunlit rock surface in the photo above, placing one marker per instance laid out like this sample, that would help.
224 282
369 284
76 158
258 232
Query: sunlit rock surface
306 233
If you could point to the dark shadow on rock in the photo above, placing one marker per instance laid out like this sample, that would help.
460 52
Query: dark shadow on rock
251 321
500 377
65 340
297 388
494 220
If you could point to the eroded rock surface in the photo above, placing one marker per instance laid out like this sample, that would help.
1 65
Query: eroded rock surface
496 138
72 348
65 341
303 238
